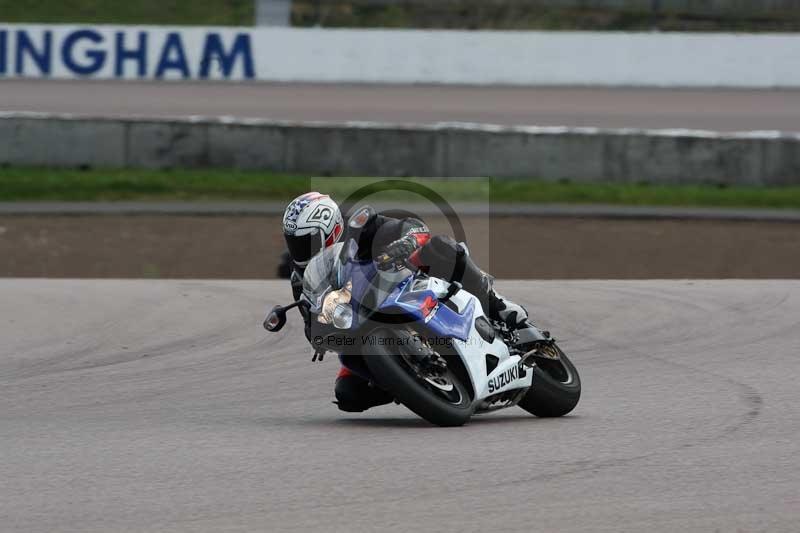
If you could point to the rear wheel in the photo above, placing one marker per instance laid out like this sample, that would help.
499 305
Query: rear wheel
556 386
440 397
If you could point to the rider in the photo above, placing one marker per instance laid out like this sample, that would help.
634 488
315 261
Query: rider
313 221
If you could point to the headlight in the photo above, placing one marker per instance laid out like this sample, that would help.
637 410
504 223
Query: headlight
343 316
336 308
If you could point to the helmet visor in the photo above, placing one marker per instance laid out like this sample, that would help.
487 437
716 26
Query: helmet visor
304 247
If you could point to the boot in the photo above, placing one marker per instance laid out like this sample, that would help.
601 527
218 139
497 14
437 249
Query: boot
494 305
514 315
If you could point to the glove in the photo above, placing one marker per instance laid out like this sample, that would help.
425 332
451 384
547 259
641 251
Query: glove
396 252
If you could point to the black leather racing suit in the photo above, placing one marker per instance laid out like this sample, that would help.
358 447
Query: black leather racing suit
438 255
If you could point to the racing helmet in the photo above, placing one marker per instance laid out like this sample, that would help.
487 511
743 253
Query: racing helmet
311 222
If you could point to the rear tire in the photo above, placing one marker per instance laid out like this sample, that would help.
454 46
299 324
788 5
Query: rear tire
393 373
551 395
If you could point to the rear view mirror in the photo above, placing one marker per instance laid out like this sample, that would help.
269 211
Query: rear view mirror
276 319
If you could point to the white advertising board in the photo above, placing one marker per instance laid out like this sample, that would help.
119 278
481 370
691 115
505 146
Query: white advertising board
400 56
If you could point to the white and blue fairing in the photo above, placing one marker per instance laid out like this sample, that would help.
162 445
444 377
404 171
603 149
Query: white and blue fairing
400 293
414 295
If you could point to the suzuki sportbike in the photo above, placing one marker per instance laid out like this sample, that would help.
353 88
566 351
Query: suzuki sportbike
427 341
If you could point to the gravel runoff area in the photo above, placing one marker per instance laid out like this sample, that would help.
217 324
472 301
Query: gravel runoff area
539 247
153 405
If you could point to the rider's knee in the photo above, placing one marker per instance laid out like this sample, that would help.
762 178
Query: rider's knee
347 389
443 243
354 394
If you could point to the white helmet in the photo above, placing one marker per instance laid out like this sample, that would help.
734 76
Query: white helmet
311 222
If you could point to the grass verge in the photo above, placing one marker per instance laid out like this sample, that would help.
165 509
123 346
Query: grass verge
33 184
205 12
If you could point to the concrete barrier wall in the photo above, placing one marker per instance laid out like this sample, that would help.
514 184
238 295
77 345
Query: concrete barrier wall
400 56
372 149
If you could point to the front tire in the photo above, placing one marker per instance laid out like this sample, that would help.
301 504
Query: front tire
394 373
556 388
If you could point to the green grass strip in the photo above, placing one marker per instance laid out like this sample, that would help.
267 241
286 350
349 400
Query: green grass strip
36 184
202 12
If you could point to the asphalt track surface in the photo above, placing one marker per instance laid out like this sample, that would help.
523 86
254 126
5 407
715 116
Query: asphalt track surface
163 406
710 109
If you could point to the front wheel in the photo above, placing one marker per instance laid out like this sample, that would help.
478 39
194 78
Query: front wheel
441 399
556 387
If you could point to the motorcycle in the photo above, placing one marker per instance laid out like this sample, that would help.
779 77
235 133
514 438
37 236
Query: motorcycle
427 341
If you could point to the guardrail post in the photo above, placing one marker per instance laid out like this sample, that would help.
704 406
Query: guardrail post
655 12
273 12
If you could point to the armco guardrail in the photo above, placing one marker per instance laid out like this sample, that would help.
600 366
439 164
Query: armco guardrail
374 149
